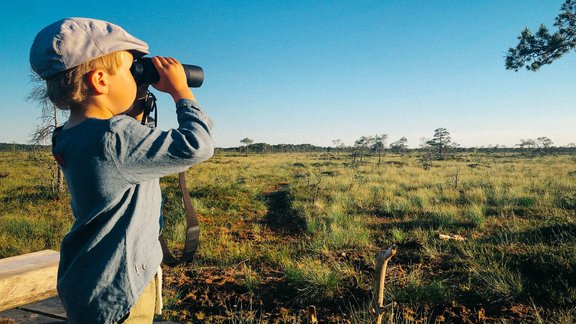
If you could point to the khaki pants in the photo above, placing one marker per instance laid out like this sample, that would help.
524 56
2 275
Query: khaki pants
148 304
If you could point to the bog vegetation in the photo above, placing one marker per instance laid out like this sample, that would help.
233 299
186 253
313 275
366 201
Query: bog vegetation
282 231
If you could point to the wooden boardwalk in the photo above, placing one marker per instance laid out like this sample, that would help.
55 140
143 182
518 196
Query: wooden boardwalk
28 289
46 311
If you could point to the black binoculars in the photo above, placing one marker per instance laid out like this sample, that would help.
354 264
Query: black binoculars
145 72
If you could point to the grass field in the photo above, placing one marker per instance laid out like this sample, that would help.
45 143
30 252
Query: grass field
284 231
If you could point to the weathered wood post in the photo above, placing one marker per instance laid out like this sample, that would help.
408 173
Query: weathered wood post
311 317
382 259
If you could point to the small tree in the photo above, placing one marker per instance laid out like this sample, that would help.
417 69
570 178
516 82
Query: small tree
400 146
426 153
247 141
378 145
543 142
44 129
338 144
440 143
527 144
360 147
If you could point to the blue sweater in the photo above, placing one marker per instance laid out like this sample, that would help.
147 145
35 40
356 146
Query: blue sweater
112 169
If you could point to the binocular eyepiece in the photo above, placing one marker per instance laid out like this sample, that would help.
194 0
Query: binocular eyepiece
145 72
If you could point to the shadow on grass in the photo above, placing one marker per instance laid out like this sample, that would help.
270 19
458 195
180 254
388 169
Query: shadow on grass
550 235
281 216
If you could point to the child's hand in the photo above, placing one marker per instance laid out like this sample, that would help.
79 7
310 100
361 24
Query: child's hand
172 78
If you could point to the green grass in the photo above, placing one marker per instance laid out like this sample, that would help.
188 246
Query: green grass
32 218
304 228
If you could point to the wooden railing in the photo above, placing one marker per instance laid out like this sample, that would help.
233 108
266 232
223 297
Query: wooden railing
28 278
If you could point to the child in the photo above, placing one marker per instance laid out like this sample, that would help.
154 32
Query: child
110 258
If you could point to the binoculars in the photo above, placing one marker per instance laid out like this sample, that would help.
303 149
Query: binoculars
145 72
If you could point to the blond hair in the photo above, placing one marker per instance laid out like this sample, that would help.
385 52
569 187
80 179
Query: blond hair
70 88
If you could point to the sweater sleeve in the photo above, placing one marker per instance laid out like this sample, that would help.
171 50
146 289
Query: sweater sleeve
141 153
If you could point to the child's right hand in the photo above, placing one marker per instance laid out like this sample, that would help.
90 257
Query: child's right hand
172 78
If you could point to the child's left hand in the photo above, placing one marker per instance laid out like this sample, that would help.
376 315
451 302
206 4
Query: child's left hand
172 78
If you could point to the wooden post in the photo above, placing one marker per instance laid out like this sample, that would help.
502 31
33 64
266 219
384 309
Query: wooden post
28 278
382 259
311 317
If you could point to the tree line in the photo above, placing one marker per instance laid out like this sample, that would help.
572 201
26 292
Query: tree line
439 147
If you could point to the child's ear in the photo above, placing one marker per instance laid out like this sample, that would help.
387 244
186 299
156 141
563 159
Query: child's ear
97 81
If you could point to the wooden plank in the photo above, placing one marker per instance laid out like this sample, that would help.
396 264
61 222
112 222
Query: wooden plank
28 261
28 278
51 307
21 316
46 311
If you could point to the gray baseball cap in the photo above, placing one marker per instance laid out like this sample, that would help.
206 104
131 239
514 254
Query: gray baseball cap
70 42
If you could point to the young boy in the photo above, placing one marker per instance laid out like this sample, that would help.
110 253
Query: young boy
110 258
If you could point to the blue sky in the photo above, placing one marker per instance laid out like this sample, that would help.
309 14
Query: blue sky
315 71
